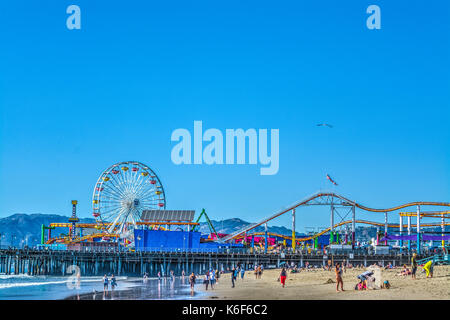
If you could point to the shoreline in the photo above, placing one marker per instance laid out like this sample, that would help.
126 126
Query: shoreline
153 289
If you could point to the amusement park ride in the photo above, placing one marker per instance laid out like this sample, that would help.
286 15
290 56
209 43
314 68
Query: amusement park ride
128 193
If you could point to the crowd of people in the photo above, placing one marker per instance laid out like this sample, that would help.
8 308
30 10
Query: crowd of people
366 280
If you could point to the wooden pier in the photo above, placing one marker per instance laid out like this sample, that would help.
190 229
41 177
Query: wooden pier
57 263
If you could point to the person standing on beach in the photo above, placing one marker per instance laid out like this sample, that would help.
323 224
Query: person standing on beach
242 273
217 276
413 265
105 284
159 275
338 271
283 276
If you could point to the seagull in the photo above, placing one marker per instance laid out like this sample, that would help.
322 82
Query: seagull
325 125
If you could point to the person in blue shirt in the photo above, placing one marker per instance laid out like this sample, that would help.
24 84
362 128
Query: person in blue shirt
233 276
105 284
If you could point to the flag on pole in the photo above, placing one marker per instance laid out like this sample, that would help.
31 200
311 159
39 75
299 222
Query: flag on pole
331 180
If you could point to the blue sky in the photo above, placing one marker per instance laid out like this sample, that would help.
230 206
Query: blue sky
73 102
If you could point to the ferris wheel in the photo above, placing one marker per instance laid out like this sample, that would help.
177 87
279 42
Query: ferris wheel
122 192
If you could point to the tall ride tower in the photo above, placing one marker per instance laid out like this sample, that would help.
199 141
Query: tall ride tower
73 219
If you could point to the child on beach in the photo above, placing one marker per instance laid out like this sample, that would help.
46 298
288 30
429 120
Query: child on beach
414 265
283 276
405 271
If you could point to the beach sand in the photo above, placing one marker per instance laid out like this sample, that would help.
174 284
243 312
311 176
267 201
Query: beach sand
312 285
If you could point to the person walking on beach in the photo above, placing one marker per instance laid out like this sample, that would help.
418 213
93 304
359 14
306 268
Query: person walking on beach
206 281
212 278
233 276
242 273
338 271
283 276
105 284
192 281
413 265
113 282
159 275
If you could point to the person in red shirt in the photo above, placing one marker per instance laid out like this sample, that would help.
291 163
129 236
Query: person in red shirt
283 276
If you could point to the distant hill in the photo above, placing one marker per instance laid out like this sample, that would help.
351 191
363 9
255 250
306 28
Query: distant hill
22 229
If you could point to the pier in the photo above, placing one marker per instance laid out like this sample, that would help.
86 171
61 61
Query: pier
57 263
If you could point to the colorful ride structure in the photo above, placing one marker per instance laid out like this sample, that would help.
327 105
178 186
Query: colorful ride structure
121 194
342 207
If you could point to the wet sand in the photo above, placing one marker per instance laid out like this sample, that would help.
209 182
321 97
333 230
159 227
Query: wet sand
312 285
137 289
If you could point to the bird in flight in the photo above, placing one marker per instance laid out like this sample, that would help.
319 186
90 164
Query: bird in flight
325 125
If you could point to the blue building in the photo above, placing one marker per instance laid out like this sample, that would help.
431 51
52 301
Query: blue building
151 240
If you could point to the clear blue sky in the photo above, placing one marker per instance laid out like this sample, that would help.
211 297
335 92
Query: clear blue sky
74 102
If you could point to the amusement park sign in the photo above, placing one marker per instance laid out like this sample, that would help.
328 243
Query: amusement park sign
213 152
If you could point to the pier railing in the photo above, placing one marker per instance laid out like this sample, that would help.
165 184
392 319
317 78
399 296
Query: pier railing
48 262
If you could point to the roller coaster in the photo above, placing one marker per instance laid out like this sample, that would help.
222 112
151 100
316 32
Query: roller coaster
337 201
325 231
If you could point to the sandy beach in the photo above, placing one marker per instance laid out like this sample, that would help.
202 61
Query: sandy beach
312 285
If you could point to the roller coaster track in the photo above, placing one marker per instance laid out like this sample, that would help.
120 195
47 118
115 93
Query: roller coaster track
341 224
67 240
330 198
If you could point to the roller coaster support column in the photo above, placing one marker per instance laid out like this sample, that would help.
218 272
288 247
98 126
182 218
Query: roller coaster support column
266 238
409 232
293 230
418 231
331 224
252 244
401 233
443 230
385 227
353 226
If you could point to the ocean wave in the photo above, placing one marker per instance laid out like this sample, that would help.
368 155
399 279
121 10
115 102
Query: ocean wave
47 281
